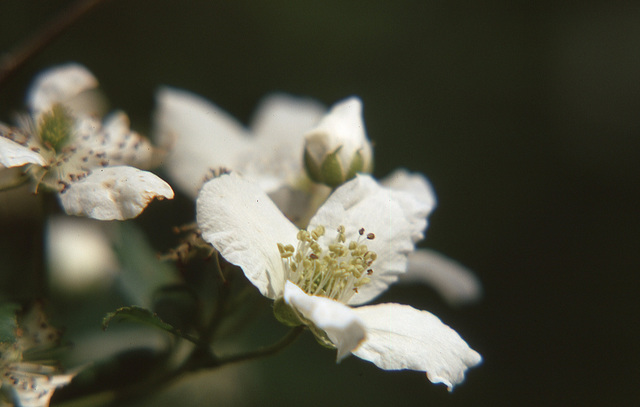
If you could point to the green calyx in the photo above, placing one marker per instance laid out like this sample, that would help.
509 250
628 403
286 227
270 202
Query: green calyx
56 127
357 165
332 170
285 314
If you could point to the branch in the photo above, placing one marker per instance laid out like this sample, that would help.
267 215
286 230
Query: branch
14 60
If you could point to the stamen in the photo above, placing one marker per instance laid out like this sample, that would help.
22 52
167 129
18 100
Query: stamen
333 268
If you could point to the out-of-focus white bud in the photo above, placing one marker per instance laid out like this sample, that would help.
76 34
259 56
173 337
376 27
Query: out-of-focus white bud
79 255
338 148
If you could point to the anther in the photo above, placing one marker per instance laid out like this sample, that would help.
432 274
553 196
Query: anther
371 236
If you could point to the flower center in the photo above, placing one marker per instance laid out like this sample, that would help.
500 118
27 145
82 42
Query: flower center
56 127
335 271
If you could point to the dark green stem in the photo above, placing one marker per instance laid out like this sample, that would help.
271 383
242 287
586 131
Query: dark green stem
266 351
196 361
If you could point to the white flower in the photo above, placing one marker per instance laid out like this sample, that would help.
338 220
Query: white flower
30 383
80 256
355 246
201 137
63 147
338 147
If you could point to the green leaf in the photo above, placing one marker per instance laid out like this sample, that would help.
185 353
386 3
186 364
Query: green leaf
142 316
8 322
143 272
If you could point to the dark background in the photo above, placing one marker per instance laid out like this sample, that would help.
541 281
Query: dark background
525 117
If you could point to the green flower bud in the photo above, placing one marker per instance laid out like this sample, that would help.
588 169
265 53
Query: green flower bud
338 148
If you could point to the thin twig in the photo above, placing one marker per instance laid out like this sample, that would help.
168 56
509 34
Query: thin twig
266 351
14 60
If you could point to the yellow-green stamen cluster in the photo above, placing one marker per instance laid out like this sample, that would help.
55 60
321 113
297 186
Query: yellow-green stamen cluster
335 270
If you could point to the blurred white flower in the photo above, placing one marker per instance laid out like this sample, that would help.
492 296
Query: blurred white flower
79 255
355 246
338 147
201 137
26 374
454 282
64 147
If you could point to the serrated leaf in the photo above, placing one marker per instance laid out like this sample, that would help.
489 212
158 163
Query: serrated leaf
142 316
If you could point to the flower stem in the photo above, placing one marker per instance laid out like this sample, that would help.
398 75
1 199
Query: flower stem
197 361
285 341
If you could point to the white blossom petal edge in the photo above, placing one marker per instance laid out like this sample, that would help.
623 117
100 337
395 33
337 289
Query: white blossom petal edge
454 282
114 193
402 337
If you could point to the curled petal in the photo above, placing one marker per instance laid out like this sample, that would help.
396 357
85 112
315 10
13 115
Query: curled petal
363 203
402 337
113 193
13 154
456 283
199 135
245 226
415 194
341 324
58 85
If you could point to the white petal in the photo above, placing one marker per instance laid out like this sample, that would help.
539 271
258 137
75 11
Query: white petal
416 195
114 193
278 126
343 327
342 127
121 145
59 84
245 226
402 337
284 118
13 154
456 283
199 135
363 203
36 390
